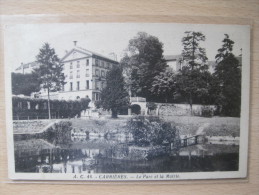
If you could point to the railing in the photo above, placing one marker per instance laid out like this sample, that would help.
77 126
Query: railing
190 141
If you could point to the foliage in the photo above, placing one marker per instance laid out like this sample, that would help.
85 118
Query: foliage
228 80
150 131
164 86
226 49
193 54
143 62
49 73
114 96
36 108
207 111
193 79
151 105
59 133
24 84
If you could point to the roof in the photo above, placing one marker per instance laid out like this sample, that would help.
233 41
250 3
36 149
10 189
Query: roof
87 52
172 57
27 65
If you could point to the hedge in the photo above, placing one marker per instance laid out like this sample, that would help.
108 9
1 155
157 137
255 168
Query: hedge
34 108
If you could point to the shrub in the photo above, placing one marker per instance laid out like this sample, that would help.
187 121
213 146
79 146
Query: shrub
59 133
151 105
150 131
207 111
37 108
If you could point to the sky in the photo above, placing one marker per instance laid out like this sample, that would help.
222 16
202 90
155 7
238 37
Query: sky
22 42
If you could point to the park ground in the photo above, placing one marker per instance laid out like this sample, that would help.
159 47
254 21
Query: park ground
185 125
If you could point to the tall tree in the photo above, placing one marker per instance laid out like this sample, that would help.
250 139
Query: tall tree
142 63
193 54
49 73
228 77
24 84
192 80
114 96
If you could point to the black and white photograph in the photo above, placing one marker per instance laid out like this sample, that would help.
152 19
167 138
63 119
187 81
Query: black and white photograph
127 101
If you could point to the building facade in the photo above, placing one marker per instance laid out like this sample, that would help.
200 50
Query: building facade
85 74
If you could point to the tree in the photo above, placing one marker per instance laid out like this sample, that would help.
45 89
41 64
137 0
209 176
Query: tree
228 77
193 54
143 62
193 78
24 84
114 96
164 85
49 73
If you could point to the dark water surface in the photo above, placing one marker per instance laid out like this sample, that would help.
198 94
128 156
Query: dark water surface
100 155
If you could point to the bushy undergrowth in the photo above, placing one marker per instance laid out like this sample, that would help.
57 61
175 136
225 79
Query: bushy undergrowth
59 133
150 131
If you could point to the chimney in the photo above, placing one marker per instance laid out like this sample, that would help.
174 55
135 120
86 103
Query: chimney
75 43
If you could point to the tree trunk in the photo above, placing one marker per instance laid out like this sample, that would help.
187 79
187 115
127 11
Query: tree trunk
191 103
114 113
49 105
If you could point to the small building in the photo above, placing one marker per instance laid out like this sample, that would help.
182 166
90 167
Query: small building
176 63
27 68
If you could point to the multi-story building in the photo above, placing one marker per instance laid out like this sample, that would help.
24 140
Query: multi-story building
85 74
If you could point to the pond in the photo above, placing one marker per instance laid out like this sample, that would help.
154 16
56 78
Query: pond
117 155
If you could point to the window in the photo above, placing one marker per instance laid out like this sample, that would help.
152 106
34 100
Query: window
19 105
87 72
87 62
97 72
103 73
71 75
78 74
102 64
97 97
87 84
71 86
96 85
45 106
96 62
28 105
78 64
71 65
78 86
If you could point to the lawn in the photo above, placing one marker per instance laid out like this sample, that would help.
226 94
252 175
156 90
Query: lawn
216 126
186 125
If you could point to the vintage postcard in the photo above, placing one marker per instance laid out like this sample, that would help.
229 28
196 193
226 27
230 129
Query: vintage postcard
127 101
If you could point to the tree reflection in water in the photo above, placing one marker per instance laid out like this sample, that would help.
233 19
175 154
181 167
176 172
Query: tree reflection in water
104 155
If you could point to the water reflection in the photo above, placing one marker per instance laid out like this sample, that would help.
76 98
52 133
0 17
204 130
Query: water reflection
115 154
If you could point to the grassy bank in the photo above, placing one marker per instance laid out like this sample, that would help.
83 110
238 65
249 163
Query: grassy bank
215 126
186 125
